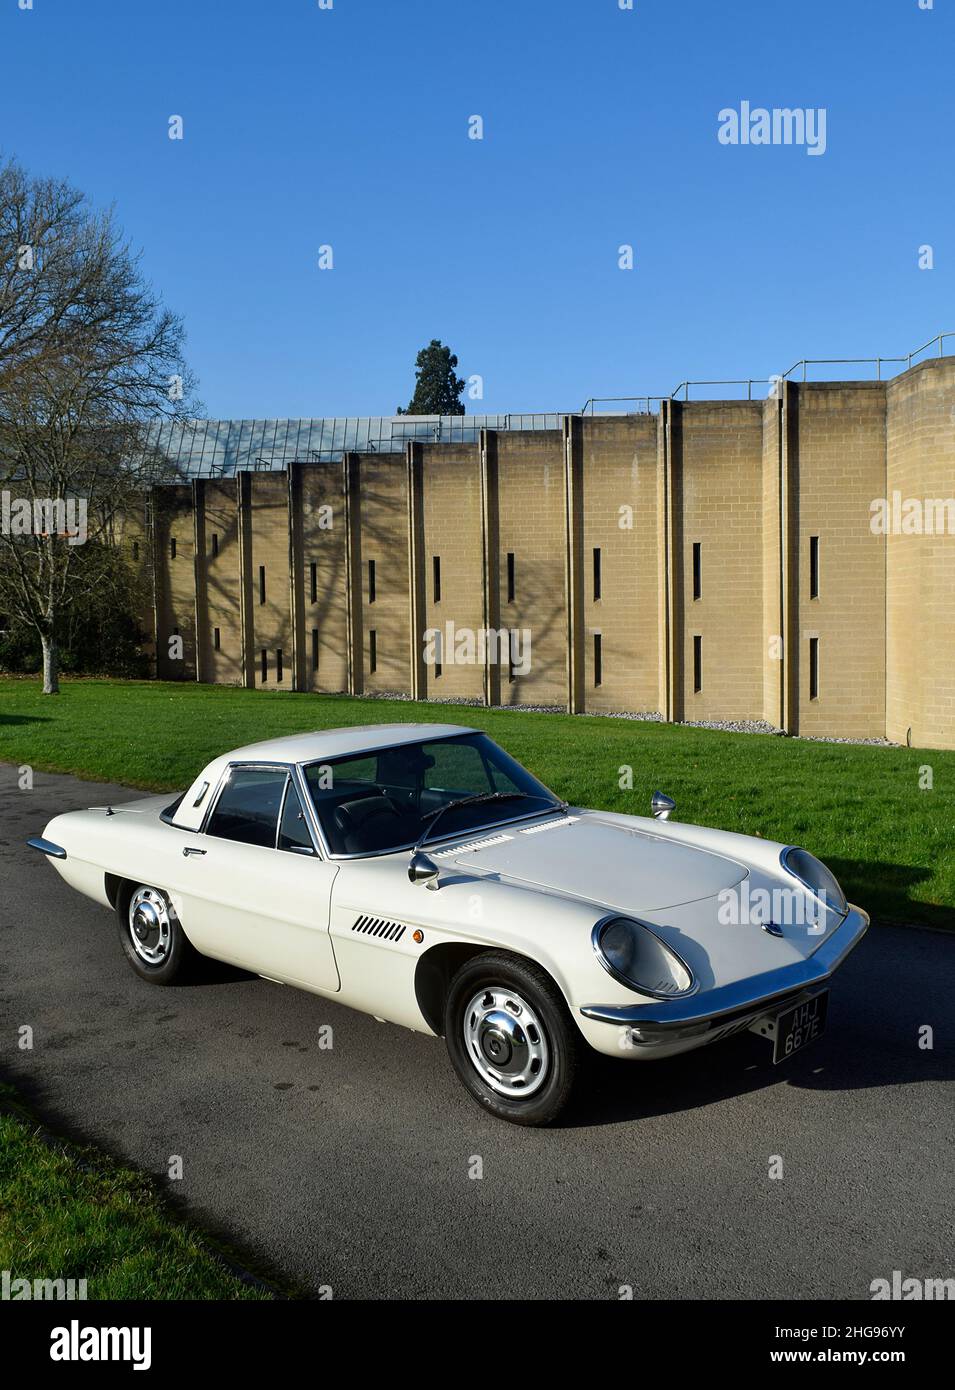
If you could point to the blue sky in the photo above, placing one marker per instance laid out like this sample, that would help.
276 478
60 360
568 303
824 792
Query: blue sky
349 127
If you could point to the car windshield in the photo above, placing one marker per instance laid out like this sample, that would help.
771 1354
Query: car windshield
390 798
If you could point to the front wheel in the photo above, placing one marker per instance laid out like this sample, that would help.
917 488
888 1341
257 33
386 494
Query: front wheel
152 937
511 1039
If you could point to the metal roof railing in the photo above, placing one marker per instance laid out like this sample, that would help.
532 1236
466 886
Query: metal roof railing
908 358
645 401
748 382
223 448
644 404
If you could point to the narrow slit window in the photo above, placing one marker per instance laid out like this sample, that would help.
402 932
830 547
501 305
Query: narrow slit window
697 570
372 650
596 574
814 668
216 638
172 547
436 569
261 583
265 665
510 657
372 582
437 654
135 550
215 543
813 566
697 665
510 576
598 659
313 581
314 648
278 665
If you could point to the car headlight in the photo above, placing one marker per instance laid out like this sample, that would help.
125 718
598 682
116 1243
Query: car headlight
820 881
635 955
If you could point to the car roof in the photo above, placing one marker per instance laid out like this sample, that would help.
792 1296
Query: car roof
336 743
305 748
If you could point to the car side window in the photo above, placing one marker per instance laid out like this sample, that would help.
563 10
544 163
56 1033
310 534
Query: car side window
293 830
248 806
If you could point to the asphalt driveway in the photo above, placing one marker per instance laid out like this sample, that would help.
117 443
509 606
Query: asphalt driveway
351 1167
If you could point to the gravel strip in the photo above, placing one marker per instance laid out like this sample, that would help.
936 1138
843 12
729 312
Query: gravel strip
726 726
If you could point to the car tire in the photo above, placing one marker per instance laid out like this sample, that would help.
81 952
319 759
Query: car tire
511 1039
152 937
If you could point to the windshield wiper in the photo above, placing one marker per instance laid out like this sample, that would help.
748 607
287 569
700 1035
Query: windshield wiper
482 798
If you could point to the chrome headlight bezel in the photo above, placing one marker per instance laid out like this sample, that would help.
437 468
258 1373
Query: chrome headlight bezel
816 877
658 944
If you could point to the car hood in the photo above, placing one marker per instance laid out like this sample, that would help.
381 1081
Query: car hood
629 870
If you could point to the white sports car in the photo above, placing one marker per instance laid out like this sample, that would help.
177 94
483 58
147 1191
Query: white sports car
417 872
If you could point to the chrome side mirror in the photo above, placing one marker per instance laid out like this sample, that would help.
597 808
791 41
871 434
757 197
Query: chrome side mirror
662 805
422 869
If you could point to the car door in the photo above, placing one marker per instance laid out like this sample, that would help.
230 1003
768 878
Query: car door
255 890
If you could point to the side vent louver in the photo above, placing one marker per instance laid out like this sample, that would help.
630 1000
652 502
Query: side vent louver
470 845
550 825
380 927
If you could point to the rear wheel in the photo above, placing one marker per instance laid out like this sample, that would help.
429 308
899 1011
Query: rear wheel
511 1039
152 937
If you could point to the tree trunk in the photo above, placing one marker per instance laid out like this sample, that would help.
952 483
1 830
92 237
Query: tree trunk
51 664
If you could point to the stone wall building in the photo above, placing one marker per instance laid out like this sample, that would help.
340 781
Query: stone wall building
717 560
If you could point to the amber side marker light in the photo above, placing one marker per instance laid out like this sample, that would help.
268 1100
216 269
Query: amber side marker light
417 936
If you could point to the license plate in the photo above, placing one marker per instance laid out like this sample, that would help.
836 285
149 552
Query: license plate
800 1025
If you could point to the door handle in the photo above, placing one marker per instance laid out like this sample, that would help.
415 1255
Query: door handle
191 849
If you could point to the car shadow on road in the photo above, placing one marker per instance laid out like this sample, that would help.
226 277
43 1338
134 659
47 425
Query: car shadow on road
900 983
215 972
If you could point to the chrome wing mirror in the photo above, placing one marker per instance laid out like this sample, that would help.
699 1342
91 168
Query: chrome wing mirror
662 805
423 869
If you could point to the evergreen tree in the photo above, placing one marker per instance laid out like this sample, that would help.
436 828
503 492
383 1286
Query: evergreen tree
437 389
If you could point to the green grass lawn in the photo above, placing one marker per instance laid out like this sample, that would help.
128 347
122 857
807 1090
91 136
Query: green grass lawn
860 808
69 1212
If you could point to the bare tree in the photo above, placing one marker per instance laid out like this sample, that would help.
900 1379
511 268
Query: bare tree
88 357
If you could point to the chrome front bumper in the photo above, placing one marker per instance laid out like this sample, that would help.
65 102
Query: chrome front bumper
732 1007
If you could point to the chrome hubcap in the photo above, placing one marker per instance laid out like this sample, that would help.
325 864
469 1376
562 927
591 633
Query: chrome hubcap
150 929
506 1042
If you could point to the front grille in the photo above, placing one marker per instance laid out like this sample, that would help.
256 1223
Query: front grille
380 927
